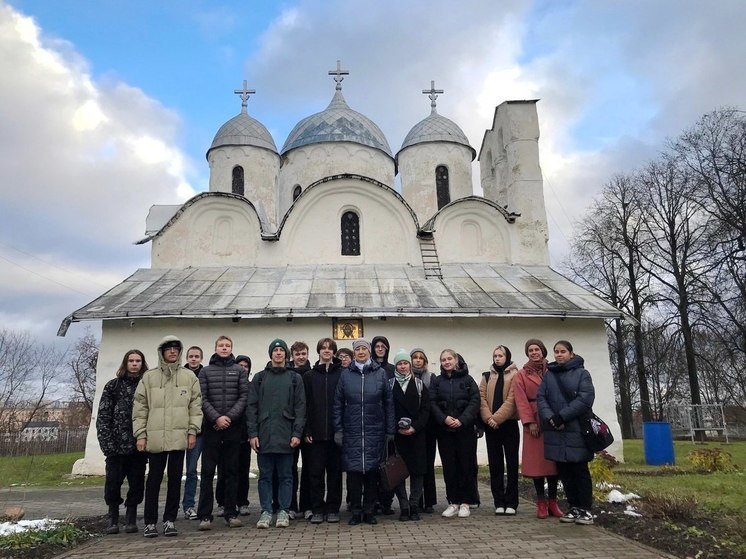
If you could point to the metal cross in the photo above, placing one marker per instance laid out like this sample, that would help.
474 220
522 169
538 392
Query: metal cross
244 93
432 94
338 73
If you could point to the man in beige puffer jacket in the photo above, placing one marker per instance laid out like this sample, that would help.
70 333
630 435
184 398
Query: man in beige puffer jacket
166 418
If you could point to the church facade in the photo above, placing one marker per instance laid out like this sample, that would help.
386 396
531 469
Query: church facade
314 240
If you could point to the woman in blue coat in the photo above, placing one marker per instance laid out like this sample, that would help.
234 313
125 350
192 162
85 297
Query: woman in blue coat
565 396
363 415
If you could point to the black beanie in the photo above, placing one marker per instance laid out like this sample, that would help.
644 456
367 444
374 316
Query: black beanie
278 343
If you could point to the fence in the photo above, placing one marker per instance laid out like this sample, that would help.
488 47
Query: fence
19 444
687 419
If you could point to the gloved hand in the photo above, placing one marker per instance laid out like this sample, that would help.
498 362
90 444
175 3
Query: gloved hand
339 438
556 421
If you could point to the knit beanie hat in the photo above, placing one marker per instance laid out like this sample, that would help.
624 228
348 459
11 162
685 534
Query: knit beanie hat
535 341
278 343
402 355
361 342
419 350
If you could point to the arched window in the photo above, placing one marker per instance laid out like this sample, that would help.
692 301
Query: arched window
237 180
442 189
296 192
350 234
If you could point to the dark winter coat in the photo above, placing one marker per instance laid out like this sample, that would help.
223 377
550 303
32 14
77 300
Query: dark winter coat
114 420
225 389
385 365
364 412
276 411
457 396
415 406
321 386
565 445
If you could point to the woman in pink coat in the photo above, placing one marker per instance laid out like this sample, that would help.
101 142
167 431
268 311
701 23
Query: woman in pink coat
533 464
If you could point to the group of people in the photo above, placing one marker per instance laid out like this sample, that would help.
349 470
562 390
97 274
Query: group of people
345 414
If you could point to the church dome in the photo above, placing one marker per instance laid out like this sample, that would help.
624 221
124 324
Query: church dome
243 130
436 128
337 123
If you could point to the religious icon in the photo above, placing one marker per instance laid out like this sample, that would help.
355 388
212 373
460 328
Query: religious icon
347 328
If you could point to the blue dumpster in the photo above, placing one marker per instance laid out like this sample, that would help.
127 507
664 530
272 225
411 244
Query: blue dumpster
657 440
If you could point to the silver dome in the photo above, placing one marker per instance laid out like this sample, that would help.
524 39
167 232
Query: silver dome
337 123
243 130
436 128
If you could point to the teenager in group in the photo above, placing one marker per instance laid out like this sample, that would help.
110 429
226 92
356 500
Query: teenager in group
324 463
117 442
345 357
225 389
194 358
276 419
411 413
380 348
498 413
454 403
565 396
166 418
301 500
363 422
533 464
430 493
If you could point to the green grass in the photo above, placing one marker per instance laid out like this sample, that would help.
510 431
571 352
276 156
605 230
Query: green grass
717 492
43 470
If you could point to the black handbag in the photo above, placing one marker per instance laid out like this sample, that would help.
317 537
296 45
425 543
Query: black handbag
392 470
594 430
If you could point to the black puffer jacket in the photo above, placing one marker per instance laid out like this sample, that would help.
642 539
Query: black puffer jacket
567 444
320 388
457 396
225 389
114 420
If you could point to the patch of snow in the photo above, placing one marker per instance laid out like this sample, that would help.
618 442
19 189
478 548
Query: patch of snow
603 486
616 496
7 528
632 511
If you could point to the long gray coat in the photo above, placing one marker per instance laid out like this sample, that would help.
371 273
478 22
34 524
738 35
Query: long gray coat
566 445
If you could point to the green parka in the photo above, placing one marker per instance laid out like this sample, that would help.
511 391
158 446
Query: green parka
168 405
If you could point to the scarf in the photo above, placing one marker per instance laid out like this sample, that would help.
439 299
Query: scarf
536 368
497 398
403 380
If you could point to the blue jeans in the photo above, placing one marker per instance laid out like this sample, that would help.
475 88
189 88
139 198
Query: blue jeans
190 485
283 465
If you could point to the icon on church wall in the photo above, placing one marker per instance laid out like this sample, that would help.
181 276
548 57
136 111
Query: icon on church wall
347 328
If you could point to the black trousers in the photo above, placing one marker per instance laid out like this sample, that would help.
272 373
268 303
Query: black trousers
576 480
158 462
430 493
324 466
219 447
119 467
244 467
363 490
458 454
502 452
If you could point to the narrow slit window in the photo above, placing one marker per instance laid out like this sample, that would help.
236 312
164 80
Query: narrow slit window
442 187
296 192
350 234
238 187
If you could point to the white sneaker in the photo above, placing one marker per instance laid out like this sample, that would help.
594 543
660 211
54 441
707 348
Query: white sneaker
283 519
510 511
264 519
500 510
450 511
464 511
308 514
190 514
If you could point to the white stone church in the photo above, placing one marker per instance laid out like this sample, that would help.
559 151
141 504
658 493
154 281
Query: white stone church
314 240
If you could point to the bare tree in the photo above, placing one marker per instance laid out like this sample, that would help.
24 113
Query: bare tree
82 361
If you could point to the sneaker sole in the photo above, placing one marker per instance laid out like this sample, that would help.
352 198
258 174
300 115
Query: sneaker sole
568 520
584 522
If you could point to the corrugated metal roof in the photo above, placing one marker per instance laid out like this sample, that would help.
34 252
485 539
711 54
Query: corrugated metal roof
337 290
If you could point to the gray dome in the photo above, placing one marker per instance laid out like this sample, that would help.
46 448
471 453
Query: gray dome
242 130
337 123
436 128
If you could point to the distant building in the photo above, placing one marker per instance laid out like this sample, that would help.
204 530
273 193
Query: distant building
41 431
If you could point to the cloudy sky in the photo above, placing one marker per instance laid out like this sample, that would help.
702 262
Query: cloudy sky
107 108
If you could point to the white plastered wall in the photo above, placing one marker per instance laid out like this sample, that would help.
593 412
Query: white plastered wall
472 231
474 338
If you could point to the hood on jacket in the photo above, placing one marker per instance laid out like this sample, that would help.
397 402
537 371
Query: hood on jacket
373 343
575 362
169 368
462 368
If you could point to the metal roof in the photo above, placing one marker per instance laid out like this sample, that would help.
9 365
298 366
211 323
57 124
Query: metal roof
243 130
337 123
436 128
336 290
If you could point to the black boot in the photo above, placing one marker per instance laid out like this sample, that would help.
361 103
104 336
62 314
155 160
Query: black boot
355 519
369 518
414 512
113 520
404 514
131 520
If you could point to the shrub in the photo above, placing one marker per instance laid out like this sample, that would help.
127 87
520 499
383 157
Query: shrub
671 506
710 460
601 469
64 534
